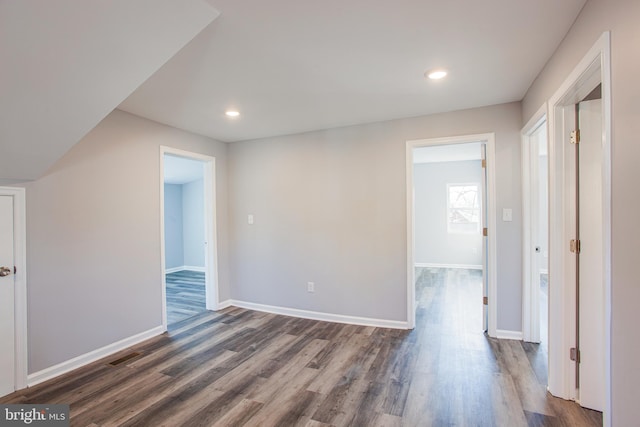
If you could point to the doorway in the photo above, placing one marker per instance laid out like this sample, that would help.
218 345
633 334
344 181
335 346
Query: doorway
580 233
448 216
467 210
13 291
189 267
535 254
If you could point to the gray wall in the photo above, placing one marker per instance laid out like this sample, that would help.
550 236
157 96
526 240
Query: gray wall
330 207
621 17
94 238
193 223
433 243
184 228
173 237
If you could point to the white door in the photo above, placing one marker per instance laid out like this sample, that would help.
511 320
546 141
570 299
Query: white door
590 270
7 329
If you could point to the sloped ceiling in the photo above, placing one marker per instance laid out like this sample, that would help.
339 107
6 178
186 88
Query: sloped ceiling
291 66
66 64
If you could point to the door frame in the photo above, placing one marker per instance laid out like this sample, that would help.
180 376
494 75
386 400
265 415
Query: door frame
530 293
594 68
20 283
212 298
488 139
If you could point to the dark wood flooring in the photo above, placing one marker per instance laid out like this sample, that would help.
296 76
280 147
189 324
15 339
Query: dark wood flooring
185 295
239 367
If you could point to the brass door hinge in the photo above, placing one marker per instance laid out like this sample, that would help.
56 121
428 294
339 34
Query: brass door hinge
485 231
575 136
574 354
484 163
485 300
574 246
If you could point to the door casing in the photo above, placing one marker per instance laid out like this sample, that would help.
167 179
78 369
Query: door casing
20 283
593 69
211 257
488 139
530 208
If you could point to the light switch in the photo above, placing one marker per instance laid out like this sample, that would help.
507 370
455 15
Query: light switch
250 219
507 214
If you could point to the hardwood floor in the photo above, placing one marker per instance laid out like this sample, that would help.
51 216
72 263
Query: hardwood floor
239 367
185 295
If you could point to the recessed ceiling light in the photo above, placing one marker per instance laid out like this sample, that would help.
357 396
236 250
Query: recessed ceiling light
436 74
232 113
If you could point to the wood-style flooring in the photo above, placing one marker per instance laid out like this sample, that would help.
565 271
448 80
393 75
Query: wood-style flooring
239 367
185 295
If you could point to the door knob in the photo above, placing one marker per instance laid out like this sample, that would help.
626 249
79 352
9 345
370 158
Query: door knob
4 271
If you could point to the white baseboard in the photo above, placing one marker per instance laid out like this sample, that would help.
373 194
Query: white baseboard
315 315
509 335
185 268
434 265
194 268
92 356
224 304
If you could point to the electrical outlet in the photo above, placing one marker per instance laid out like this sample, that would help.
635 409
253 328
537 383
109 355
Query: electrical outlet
311 287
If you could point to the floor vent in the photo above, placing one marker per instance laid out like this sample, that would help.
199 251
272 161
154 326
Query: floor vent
124 358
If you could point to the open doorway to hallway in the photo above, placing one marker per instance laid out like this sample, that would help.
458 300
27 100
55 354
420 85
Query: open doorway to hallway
535 178
188 234
184 235
451 215
448 182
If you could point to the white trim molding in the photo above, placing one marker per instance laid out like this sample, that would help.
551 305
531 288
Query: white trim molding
316 315
488 139
530 188
460 266
20 282
185 268
92 356
508 335
224 304
593 69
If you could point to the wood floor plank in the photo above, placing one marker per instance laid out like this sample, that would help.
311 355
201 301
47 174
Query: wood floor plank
418 409
507 407
386 420
342 403
114 406
185 293
333 372
288 373
288 404
177 407
239 367
314 423
239 414
532 395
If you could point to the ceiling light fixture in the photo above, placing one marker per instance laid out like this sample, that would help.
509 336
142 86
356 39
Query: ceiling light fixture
232 113
435 74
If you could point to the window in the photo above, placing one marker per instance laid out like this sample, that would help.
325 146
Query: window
463 208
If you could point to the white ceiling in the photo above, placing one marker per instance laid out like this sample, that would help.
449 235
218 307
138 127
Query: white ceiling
180 170
291 66
447 153
66 64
